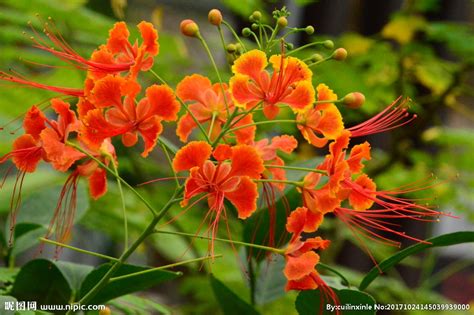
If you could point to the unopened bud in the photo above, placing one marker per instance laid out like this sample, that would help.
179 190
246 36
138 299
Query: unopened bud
238 48
189 28
354 100
282 22
339 54
215 17
257 15
309 30
231 48
254 26
316 58
105 311
290 46
328 44
246 32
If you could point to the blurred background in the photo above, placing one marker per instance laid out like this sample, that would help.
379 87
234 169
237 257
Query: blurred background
421 49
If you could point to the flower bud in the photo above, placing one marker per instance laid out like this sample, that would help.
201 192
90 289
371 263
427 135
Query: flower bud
251 18
105 311
257 15
231 48
328 44
254 26
215 17
316 58
238 48
339 54
246 32
189 28
290 46
354 100
282 22
309 30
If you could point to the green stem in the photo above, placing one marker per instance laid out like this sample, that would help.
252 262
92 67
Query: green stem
267 248
168 158
304 47
263 123
211 126
108 169
296 168
122 197
237 38
184 105
79 250
144 272
149 230
344 279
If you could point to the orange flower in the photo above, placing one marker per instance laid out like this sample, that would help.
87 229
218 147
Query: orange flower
322 123
290 83
208 105
124 117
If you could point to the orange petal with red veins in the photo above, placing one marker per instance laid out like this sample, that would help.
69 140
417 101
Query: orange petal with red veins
26 154
163 102
325 93
341 143
57 153
191 155
34 122
191 189
363 200
311 137
222 152
150 136
301 97
193 88
66 118
100 56
95 129
118 38
107 92
285 143
241 91
83 107
296 221
298 267
98 183
186 125
246 161
270 111
314 244
150 37
244 197
358 152
305 283
251 63
245 135
297 68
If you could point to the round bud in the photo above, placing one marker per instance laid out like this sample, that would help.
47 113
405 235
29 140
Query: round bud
328 44
282 22
105 311
251 18
309 30
257 15
246 32
316 58
290 46
215 17
238 48
354 100
189 28
254 26
231 48
339 54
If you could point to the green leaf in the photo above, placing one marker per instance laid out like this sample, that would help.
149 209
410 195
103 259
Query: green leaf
133 304
4 299
231 303
270 283
74 273
309 302
439 241
123 286
42 281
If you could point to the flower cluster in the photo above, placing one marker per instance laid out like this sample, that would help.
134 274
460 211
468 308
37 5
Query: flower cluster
224 159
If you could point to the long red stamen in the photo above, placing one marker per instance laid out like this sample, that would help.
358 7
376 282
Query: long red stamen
394 116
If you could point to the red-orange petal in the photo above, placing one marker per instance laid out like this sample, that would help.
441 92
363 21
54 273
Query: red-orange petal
284 143
66 117
150 37
241 91
296 221
95 129
83 107
191 155
298 267
358 152
98 183
250 63
107 91
301 98
193 88
325 93
186 124
222 152
26 154
150 136
245 135
363 201
34 122
244 197
305 283
57 153
297 68
246 161
163 102
118 38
